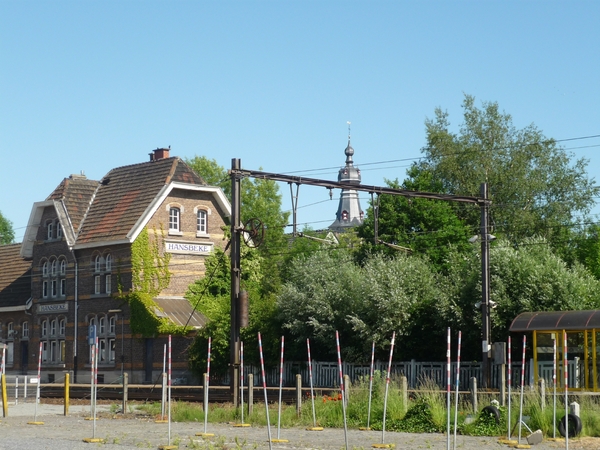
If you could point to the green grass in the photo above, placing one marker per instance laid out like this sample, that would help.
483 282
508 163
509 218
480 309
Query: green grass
425 411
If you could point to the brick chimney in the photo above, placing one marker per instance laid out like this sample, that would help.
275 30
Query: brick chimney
160 153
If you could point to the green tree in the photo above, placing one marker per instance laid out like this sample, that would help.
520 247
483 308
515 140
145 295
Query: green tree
535 187
427 227
7 234
328 291
528 277
211 172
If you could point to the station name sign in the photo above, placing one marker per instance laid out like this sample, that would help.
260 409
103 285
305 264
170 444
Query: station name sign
187 248
56 308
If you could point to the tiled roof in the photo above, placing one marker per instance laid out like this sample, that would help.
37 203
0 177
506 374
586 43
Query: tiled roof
15 276
180 312
124 195
76 192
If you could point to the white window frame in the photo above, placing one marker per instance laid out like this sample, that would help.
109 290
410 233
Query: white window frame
174 219
25 330
53 327
63 267
112 325
108 263
63 287
10 330
97 284
53 268
108 284
62 325
101 326
98 263
111 350
58 230
45 289
45 269
49 231
44 328
202 221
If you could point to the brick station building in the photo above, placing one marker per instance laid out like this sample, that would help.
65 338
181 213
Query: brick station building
63 278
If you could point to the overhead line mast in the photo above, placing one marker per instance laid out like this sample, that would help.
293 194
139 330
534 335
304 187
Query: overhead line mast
237 173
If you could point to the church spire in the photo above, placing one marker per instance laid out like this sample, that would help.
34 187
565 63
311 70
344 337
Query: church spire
349 213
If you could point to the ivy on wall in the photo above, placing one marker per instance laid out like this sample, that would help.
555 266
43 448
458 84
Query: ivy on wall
149 276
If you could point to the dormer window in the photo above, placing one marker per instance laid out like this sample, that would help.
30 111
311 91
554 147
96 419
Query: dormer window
58 230
50 231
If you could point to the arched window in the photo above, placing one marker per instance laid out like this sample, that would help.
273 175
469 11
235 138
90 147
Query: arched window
53 268
63 267
58 230
45 269
62 325
98 263
108 262
49 230
53 327
25 330
44 328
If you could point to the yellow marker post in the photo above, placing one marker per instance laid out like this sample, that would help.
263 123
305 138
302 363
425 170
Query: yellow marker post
4 397
67 387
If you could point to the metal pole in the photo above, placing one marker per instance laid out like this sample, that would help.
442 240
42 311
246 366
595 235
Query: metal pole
485 286
234 360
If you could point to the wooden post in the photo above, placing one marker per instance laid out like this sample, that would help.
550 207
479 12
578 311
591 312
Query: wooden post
404 392
125 391
542 386
67 386
502 374
250 393
347 387
473 389
298 394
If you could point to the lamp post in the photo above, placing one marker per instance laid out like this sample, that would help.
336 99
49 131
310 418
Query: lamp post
117 312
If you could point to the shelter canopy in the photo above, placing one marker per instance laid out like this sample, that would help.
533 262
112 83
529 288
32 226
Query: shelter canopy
556 320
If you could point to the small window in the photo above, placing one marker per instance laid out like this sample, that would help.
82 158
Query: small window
61 351
44 351
58 230
49 231
44 328
108 283
45 269
63 267
53 351
112 325
54 288
344 215
97 284
111 350
201 222
11 330
108 263
53 268
102 355
53 328
98 263
62 324
63 287
25 330
101 326
174 216
45 289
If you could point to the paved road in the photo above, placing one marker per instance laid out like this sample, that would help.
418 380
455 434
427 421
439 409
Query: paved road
123 433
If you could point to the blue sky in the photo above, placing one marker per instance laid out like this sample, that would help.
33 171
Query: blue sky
92 85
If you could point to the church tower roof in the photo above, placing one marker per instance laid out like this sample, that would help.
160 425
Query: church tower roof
349 213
